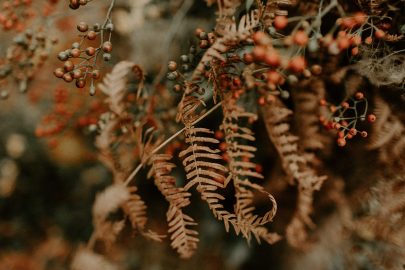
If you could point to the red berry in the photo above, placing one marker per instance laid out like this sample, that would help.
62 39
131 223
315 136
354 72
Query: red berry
297 64
300 38
341 142
280 22
371 118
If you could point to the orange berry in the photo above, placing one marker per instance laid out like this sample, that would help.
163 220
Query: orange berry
273 76
356 40
371 118
360 17
368 40
222 146
280 22
300 38
272 58
379 34
297 64
348 23
219 134
261 101
259 37
353 131
259 53
355 51
364 134
258 168
341 142
248 58
343 43
359 95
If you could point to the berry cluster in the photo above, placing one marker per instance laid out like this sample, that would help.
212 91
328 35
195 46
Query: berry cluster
26 54
15 14
69 111
80 63
345 117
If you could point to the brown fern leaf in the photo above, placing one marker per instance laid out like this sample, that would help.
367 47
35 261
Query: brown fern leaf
231 36
241 169
183 239
296 167
114 86
108 201
202 168
188 109
306 99
387 133
135 209
201 164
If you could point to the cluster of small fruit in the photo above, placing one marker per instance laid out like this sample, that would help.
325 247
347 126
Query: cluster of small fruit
16 14
27 53
86 58
70 111
345 117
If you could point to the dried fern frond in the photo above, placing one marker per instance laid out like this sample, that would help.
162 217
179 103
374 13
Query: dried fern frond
296 167
387 133
135 209
114 86
232 34
183 238
241 169
306 103
201 161
108 201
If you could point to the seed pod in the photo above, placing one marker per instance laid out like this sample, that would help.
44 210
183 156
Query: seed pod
177 88
77 73
95 74
96 27
75 45
74 4
68 66
82 27
172 75
91 35
80 83
107 57
107 46
90 51
67 77
58 72
62 56
75 53
109 27
184 58
172 66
